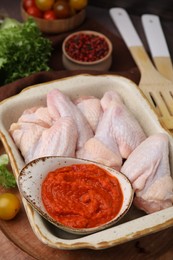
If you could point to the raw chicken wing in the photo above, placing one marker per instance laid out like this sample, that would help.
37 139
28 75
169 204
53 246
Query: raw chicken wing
56 100
26 136
124 128
148 169
37 115
103 147
91 108
58 140
96 151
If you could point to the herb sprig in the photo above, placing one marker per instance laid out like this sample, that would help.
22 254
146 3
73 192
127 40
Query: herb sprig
7 179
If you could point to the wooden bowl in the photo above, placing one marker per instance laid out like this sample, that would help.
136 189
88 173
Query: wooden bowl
58 25
100 64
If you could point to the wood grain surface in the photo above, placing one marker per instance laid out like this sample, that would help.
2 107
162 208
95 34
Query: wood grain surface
25 245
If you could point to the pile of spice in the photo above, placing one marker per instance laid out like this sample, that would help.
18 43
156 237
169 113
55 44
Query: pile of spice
86 47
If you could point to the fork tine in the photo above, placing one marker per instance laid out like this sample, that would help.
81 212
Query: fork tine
152 102
165 117
168 123
168 99
160 101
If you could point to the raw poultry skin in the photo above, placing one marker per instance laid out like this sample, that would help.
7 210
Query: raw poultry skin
26 136
29 128
60 139
65 107
103 147
90 107
36 134
149 172
118 133
37 115
96 151
124 128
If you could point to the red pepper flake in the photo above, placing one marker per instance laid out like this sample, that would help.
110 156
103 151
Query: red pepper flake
86 47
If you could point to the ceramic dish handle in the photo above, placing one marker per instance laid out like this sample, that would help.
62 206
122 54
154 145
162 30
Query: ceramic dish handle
157 44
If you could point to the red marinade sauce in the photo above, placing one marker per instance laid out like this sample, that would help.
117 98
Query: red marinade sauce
82 195
86 47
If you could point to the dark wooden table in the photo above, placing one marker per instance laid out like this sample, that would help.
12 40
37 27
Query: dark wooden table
155 246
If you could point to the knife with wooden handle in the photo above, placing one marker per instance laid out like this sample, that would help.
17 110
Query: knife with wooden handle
157 44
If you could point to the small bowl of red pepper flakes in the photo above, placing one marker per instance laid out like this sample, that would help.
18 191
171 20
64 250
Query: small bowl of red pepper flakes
89 50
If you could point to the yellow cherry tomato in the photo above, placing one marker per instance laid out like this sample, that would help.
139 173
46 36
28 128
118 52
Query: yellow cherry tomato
78 4
9 206
44 5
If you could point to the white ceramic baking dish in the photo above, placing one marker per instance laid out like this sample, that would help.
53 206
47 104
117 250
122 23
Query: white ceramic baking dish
135 224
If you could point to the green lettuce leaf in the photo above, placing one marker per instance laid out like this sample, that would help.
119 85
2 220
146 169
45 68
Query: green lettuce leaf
23 50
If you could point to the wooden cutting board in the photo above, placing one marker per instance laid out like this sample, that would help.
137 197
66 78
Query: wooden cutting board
19 242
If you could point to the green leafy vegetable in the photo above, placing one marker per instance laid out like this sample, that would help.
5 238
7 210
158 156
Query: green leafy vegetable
7 179
23 50
9 22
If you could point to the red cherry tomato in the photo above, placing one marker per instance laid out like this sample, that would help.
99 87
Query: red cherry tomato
49 15
62 9
34 11
28 3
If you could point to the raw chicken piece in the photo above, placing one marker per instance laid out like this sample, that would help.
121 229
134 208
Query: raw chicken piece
148 169
91 108
58 140
96 151
123 126
53 111
37 115
103 147
36 141
109 98
26 136
65 107
117 131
